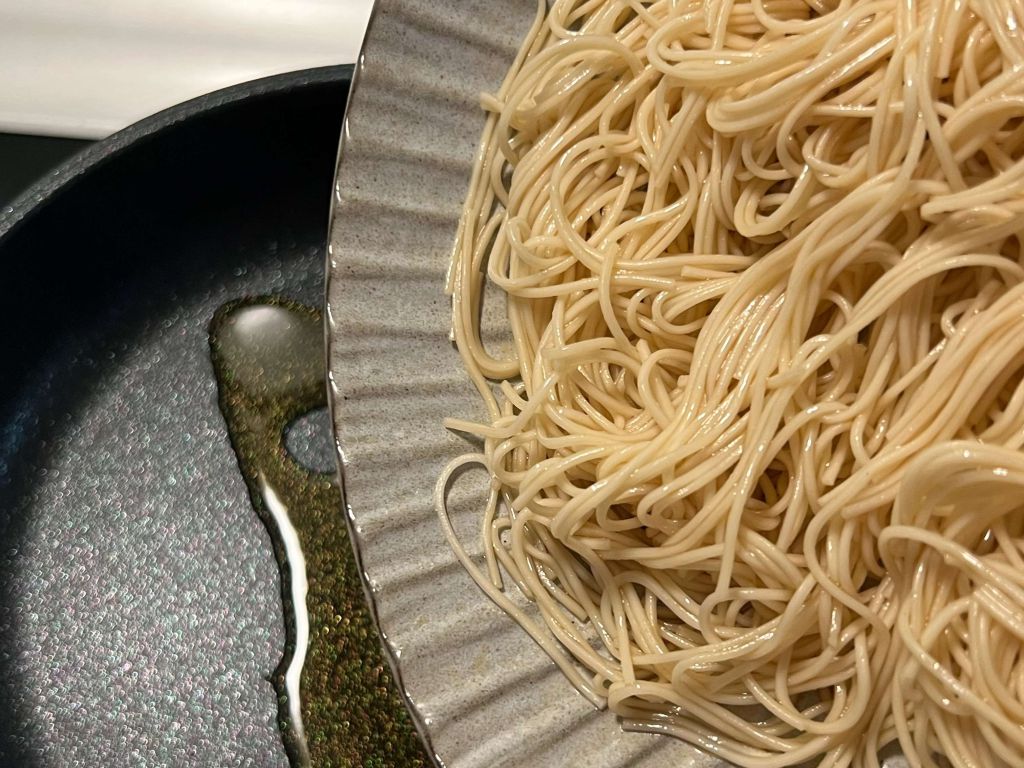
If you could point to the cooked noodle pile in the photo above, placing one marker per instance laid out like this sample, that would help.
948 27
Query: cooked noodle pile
757 446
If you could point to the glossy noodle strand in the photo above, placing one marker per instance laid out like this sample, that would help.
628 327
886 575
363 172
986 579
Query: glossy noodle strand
756 441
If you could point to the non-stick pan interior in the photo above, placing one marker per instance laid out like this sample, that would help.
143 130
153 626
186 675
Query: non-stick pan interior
140 610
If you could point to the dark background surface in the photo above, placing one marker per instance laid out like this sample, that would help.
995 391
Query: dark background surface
23 159
140 609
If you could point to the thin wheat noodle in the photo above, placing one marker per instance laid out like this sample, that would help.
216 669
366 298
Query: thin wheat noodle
755 443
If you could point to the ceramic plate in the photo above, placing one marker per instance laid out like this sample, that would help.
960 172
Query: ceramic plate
483 693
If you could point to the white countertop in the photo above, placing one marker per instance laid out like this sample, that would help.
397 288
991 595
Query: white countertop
86 68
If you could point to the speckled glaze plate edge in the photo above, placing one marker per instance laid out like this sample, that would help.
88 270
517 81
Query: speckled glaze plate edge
481 692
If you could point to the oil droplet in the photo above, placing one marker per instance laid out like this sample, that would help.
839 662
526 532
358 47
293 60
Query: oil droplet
337 704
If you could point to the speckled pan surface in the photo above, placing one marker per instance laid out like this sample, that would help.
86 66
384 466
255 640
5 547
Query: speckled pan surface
485 695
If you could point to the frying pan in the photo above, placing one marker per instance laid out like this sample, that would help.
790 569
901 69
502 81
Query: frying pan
140 600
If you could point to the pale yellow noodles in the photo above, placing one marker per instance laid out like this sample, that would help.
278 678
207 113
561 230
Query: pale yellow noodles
756 447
